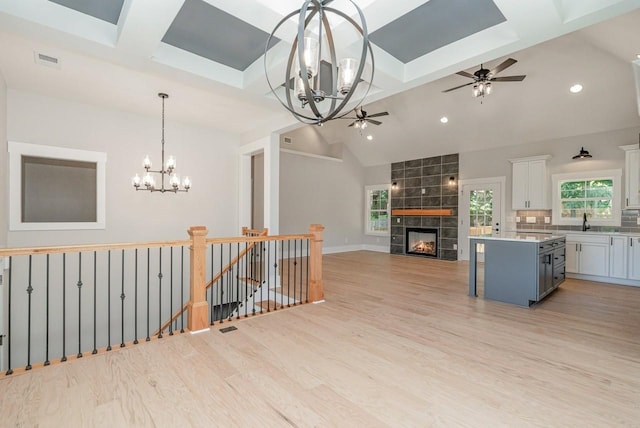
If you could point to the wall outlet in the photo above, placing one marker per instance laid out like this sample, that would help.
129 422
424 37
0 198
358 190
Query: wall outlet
531 219
424 191
398 220
547 220
455 246
517 219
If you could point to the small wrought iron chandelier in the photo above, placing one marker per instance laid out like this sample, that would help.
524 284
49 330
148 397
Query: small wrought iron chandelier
148 183
303 70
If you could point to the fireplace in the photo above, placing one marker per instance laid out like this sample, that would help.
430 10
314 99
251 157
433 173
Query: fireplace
422 242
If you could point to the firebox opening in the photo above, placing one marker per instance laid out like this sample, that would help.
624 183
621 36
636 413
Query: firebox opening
422 242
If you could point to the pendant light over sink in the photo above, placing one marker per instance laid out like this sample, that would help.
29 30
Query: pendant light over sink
584 154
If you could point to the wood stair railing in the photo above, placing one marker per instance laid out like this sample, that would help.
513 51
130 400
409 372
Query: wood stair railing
245 232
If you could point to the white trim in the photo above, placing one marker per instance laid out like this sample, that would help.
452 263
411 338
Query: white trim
376 248
502 181
17 150
531 158
268 145
614 174
367 189
607 279
311 155
349 248
341 249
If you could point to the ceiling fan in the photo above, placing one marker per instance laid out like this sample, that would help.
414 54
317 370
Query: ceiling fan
483 78
362 118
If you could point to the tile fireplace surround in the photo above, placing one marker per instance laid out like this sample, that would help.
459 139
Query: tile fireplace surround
432 175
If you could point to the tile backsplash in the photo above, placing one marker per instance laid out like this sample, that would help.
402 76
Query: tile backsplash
629 222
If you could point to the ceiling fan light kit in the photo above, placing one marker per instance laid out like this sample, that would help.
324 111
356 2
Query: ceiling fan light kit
483 78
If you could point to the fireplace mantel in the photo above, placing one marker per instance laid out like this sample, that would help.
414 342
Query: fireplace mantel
418 212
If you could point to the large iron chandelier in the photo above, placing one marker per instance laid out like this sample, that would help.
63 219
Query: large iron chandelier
304 70
148 182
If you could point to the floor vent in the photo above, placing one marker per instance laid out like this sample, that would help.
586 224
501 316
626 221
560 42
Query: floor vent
47 60
228 329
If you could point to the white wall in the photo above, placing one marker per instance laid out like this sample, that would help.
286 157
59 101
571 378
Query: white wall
4 164
602 146
208 156
322 191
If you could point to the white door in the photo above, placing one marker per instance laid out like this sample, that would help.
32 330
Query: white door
481 212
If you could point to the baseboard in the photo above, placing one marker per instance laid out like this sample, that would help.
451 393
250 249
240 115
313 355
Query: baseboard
617 281
348 248
376 248
341 249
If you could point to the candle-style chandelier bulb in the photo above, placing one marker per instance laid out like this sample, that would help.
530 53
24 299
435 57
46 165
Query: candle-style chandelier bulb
148 182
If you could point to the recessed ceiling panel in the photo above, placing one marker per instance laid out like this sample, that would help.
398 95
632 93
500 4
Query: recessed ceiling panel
435 24
211 33
106 10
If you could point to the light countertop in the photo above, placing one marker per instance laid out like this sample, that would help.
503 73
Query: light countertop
521 237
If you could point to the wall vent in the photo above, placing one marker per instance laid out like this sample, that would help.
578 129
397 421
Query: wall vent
47 60
287 140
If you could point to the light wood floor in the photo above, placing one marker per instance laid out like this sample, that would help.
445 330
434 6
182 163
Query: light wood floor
397 343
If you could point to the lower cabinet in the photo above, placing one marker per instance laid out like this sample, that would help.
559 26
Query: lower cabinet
634 258
608 256
618 256
588 254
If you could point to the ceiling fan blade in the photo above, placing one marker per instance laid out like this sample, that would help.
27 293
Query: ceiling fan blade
465 74
508 79
458 87
375 122
384 113
506 63
351 124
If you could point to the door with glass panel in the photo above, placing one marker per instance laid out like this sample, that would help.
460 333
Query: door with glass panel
480 214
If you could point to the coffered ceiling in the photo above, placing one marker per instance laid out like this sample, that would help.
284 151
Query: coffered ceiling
208 55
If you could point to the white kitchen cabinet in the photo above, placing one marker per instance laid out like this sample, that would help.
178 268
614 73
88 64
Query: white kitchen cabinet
588 254
529 183
634 257
618 256
632 176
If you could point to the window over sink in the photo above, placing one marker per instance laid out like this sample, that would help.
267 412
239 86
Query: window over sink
594 193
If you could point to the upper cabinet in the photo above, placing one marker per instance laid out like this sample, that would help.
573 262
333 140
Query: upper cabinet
632 175
529 189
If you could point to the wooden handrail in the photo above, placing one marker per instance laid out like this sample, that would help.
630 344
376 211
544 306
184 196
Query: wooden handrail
28 251
224 270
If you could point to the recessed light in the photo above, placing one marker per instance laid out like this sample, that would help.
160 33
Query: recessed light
444 119
369 137
638 56
576 88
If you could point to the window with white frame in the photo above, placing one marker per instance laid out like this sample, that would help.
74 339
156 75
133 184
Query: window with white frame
595 193
377 213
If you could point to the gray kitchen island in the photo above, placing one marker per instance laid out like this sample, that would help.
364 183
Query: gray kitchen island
519 268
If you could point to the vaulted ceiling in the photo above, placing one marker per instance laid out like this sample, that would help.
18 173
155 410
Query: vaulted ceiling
207 54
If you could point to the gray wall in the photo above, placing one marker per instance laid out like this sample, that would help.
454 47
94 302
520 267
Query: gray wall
257 182
208 156
322 191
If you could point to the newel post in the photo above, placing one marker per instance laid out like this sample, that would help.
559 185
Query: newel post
198 307
316 286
